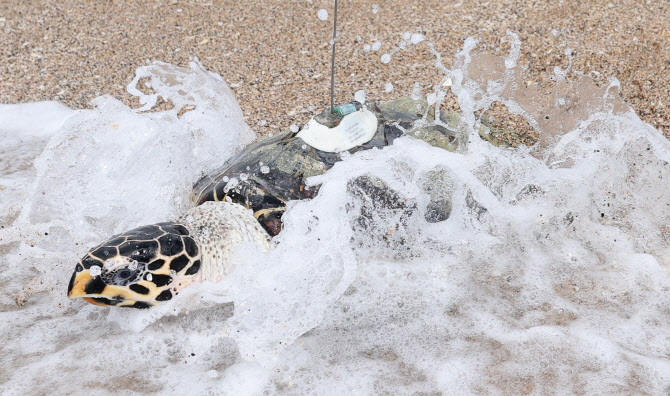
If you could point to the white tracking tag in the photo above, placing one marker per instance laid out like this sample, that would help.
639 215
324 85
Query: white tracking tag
355 129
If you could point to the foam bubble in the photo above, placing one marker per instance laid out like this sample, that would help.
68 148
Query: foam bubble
322 14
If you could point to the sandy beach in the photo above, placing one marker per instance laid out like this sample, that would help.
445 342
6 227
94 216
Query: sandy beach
276 56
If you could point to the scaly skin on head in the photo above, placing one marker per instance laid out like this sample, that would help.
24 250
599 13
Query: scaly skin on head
138 268
150 264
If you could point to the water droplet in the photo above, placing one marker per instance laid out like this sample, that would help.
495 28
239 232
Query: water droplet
232 183
376 46
228 199
416 92
260 163
304 147
265 169
359 96
386 58
262 123
243 176
375 8
109 264
416 38
407 35
388 87
367 48
294 128
225 179
322 14
95 270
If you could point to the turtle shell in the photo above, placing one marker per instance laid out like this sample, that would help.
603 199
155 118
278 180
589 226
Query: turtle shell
272 171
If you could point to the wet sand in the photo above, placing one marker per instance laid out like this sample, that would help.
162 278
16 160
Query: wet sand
276 57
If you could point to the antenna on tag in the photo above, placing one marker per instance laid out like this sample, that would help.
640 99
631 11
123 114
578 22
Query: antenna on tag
332 67
341 128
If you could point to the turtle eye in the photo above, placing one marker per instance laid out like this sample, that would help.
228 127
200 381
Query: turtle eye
123 275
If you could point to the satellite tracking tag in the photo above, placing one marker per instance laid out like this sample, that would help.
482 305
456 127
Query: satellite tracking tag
340 128
356 128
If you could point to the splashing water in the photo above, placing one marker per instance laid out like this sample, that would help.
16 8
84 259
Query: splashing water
359 96
551 274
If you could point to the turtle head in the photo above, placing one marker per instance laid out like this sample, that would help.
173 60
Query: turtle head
137 269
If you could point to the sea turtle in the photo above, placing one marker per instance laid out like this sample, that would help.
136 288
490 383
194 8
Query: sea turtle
150 264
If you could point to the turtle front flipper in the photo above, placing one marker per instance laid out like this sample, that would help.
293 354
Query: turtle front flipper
270 219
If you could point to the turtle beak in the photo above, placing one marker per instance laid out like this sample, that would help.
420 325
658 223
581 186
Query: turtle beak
93 290
78 282
83 284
